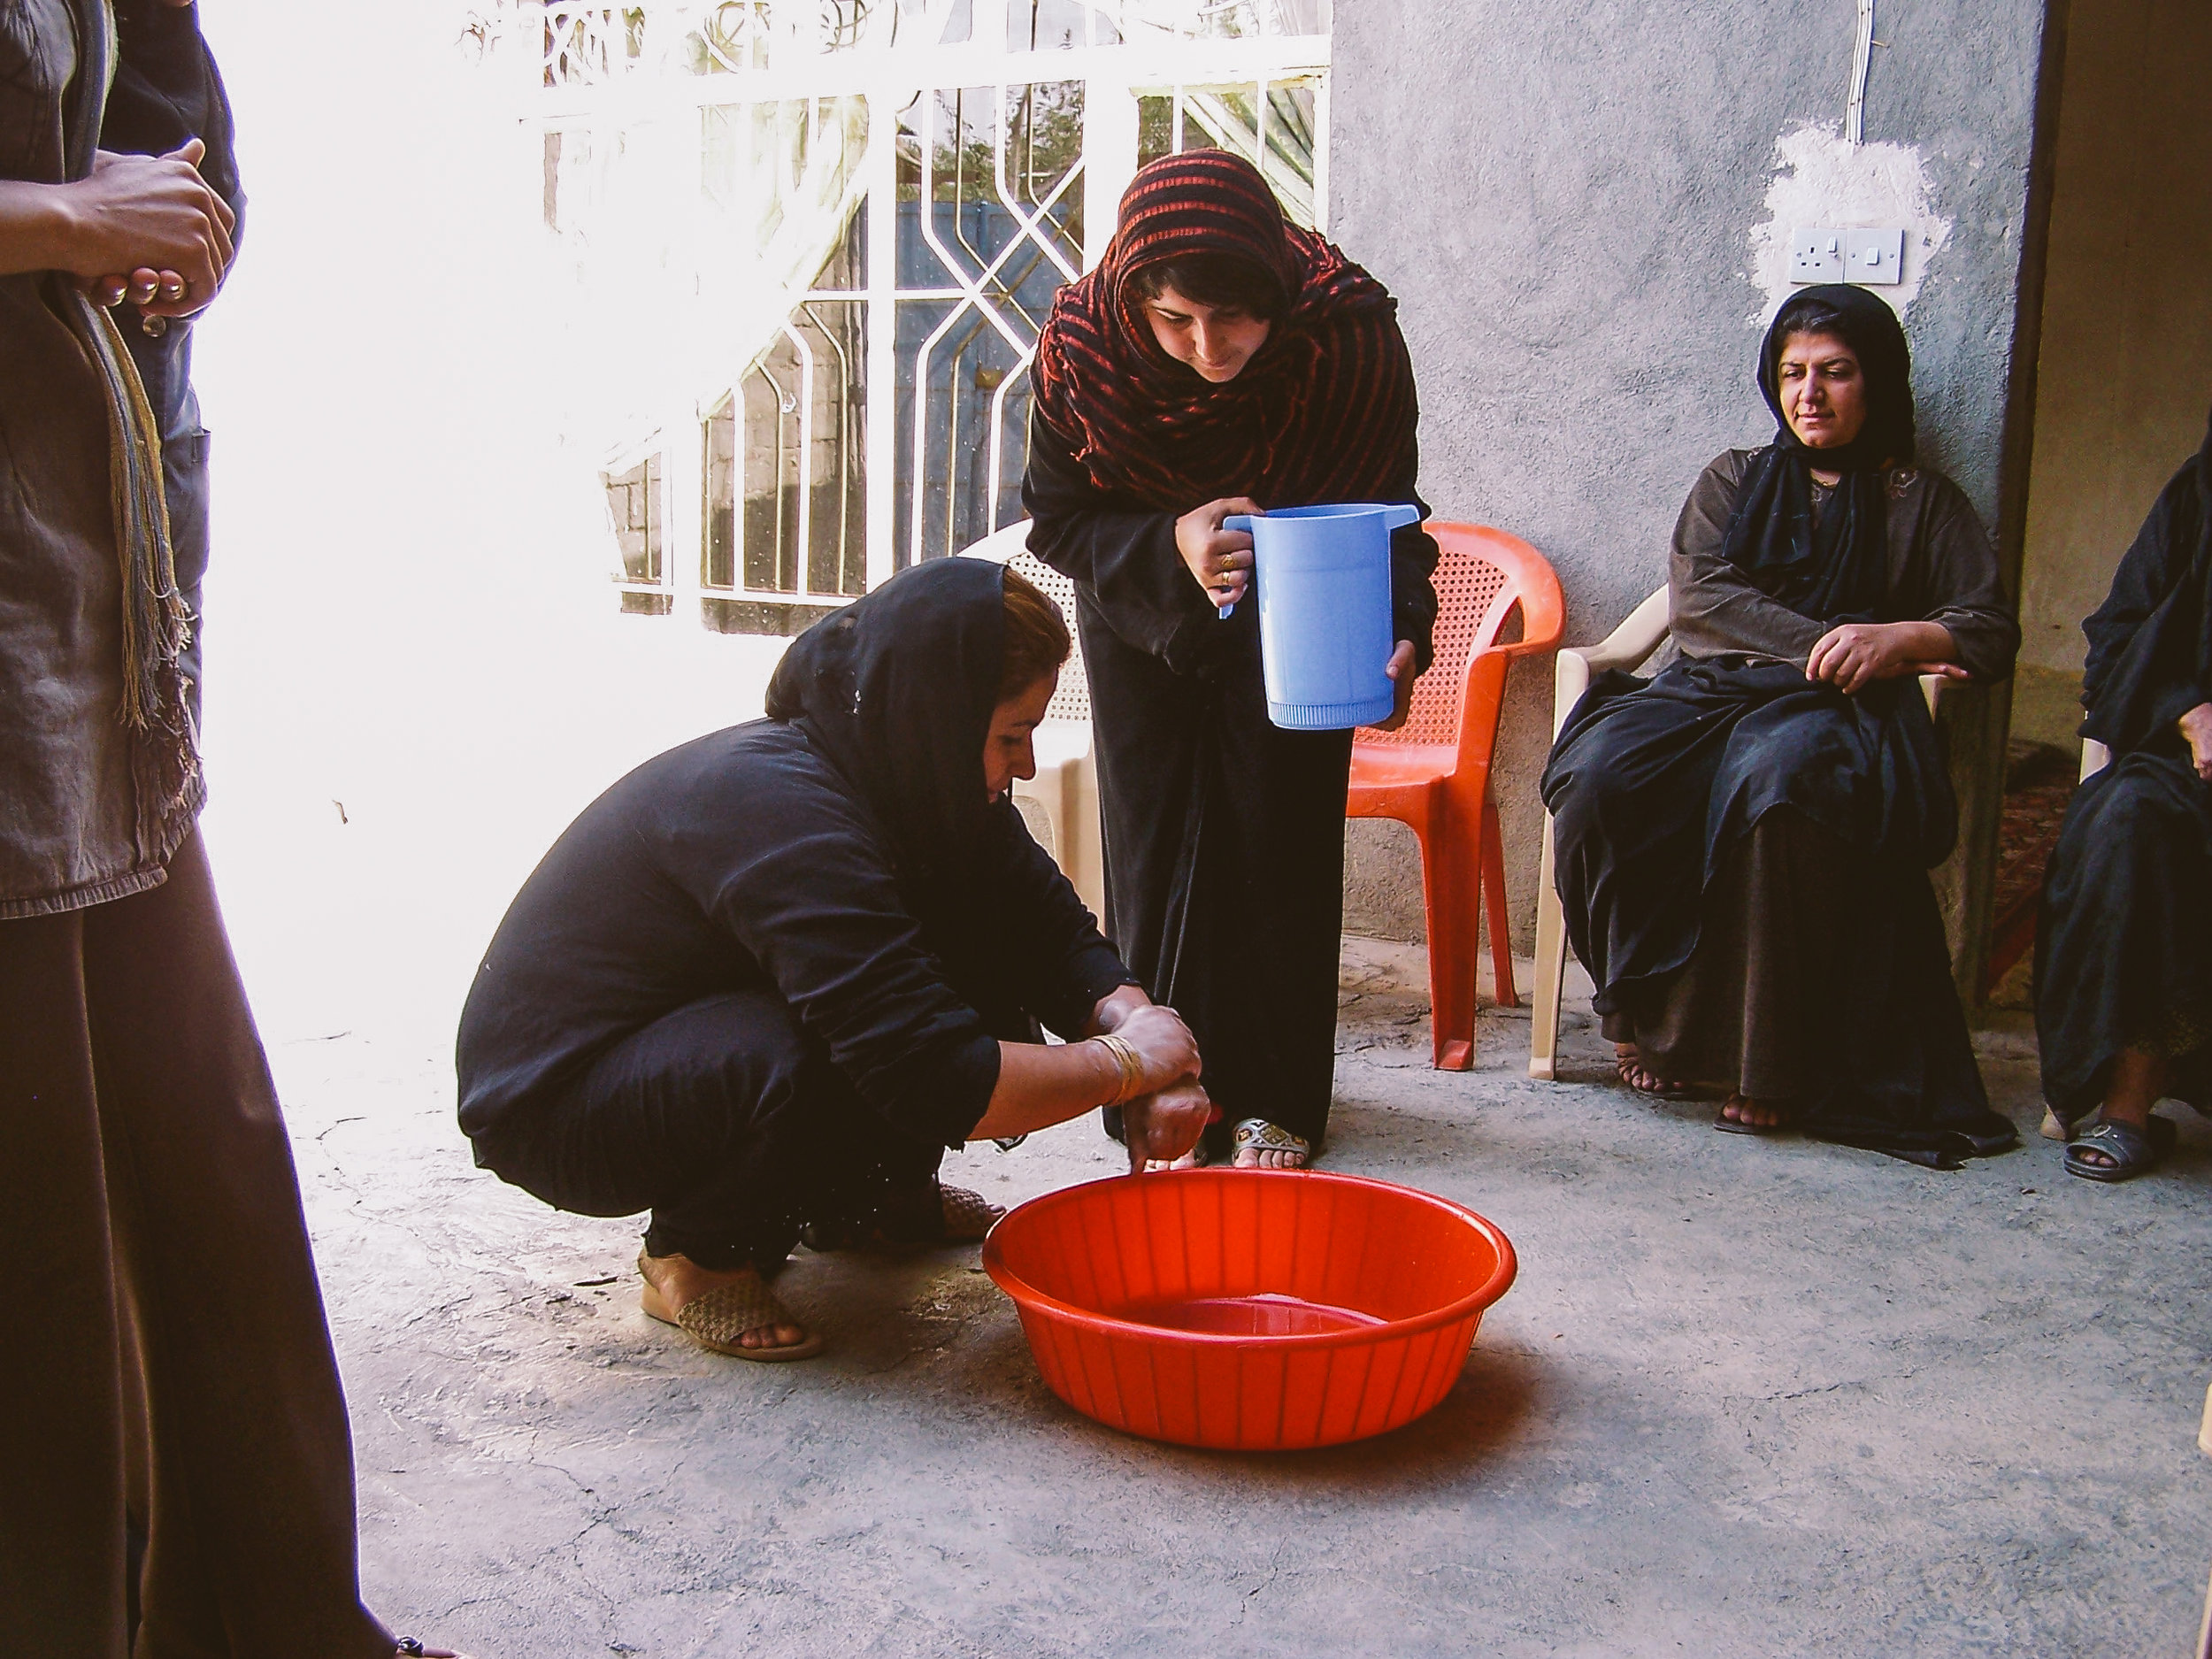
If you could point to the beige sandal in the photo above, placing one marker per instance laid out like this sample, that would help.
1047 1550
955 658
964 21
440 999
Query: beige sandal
1258 1134
969 1217
716 1319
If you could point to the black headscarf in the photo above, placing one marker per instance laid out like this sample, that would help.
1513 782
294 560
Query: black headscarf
2150 642
896 691
1829 567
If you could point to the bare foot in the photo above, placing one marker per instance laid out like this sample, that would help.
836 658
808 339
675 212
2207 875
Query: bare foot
676 1279
1188 1161
1629 1062
1753 1114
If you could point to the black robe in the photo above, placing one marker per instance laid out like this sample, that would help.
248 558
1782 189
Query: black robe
1224 833
830 881
2123 946
1658 787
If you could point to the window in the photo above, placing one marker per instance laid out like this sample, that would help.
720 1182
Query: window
821 236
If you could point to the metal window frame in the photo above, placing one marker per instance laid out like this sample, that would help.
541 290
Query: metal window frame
637 86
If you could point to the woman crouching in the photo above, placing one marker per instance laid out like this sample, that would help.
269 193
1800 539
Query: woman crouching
763 981
1744 841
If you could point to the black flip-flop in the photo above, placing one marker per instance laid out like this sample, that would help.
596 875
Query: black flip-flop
2133 1151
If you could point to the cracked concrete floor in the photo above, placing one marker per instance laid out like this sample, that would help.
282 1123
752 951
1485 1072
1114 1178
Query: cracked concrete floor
1747 1398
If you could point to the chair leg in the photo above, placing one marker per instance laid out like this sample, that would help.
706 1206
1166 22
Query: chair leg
1451 878
1494 892
1551 968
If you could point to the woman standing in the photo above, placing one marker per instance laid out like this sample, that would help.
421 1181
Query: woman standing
1743 841
2123 954
175 1355
1220 361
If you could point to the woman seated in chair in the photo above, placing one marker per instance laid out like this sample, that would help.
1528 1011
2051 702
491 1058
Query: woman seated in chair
1743 841
2124 950
763 981
1218 360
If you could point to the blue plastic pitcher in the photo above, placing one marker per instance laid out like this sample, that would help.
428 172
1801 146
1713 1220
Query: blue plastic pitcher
1324 580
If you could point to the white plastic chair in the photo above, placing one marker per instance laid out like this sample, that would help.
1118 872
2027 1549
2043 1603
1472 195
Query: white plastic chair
1062 800
1628 647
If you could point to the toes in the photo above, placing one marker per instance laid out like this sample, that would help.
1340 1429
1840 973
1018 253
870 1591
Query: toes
772 1336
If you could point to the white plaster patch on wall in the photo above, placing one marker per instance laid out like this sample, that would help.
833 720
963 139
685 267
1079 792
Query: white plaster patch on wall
1820 180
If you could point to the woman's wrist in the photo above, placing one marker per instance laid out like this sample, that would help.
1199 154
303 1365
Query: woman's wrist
1122 1076
38 227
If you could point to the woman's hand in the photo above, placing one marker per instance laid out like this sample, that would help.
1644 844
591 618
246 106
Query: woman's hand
1165 1047
1854 655
1220 561
2196 725
1165 1126
1402 674
148 225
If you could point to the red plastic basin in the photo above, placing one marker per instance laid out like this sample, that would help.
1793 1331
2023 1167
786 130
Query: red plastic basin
1249 1310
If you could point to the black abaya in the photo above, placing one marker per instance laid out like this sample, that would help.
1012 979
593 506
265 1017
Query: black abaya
2123 947
1224 833
762 979
1681 804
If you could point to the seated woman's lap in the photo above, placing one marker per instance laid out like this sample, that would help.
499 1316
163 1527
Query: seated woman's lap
723 1121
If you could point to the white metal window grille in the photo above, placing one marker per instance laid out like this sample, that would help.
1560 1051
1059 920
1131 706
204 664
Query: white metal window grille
814 239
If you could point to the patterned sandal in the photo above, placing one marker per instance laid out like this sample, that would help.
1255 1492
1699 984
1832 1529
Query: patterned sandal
1256 1134
717 1318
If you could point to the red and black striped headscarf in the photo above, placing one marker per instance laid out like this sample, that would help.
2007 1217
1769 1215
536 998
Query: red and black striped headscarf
1323 411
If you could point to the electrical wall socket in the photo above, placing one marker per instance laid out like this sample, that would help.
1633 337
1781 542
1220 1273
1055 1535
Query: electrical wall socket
1816 255
1870 257
1874 256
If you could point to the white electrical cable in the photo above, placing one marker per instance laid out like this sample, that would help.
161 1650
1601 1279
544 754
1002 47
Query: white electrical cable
1862 57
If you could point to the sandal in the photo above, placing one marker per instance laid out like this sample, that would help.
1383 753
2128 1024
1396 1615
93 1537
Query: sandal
716 1319
1256 1134
2133 1151
1729 1126
1631 1066
411 1649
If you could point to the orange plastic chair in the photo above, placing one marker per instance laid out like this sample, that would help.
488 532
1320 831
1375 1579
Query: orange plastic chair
1432 774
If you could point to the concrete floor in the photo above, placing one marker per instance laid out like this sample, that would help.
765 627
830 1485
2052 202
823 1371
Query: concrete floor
1747 1398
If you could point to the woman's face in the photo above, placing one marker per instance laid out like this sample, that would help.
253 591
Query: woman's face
1008 753
1824 393
1217 340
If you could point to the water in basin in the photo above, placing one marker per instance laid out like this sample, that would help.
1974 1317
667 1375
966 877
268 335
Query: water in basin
1267 1314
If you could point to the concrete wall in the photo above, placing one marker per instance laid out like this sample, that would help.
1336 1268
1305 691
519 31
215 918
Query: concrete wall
1578 205
2125 369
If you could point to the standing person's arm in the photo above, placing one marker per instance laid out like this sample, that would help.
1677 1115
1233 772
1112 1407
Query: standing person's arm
130 212
166 91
